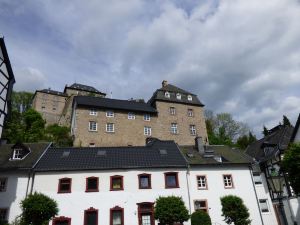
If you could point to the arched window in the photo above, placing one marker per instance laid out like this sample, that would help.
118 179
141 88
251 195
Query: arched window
178 96
190 98
167 94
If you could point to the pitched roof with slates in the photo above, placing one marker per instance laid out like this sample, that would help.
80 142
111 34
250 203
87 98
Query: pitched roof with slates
83 87
103 158
52 92
108 103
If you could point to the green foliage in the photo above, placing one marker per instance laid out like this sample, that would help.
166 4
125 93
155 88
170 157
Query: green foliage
245 140
34 126
200 218
265 131
21 101
14 130
38 209
59 135
286 121
234 210
171 209
291 166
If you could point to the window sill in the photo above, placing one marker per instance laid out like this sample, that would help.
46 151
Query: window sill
109 132
171 187
92 190
93 131
64 192
117 189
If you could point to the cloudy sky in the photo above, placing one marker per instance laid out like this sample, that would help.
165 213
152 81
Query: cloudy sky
241 57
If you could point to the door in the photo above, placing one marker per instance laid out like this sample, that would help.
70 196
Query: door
145 213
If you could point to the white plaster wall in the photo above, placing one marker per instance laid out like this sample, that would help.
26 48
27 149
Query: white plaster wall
73 204
14 194
263 193
243 188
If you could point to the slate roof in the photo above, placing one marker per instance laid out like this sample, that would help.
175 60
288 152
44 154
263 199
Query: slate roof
83 87
229 156
6 152
104 158
108 103
49 91
279 138
159 95
296 129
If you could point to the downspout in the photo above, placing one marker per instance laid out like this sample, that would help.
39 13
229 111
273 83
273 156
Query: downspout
27 187
251 174
188 186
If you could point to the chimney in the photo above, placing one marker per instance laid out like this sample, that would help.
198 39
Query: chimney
200 145
164 83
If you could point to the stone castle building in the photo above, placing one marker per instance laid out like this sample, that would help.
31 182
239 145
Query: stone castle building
55 106
170 114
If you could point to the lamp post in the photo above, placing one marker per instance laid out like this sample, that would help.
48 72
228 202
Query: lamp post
276 181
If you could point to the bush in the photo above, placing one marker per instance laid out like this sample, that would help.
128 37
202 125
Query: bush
234 210
200 218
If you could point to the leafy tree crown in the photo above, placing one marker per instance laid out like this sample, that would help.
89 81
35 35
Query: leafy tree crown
200 218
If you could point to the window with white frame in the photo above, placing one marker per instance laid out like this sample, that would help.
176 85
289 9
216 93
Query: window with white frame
110 114
131 116
190 112
178 96
93 112
167 94
257 178
228 183
193 130
263 204
201 182
147 131
18 153
172 111
92 126
174 129
147 117
110 127
190 98
3 184
201 205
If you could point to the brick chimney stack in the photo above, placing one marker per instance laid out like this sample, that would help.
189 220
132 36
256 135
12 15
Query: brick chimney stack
164 83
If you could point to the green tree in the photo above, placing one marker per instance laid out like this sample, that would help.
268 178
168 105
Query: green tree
171 209
265 131
200 218
245 140
60 135
34 126
286 121
21 101
38 209
14 128
291 166
234 210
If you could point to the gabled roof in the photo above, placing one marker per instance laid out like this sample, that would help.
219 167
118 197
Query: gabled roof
279 138
104 158
52 92
229 155
296 129
83 87
159 95
6 151
108 103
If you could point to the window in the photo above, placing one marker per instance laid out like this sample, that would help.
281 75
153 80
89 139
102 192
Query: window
178 96
147 117
43 107
18 153
190 112
53 108
131 116
92 144
201 205
201 182
93 112
3 214
116 183
190 98
117 216
110 114
228 183
92 184
144 181
61 221
147 131
92 126
263 204
172 110
64 185
193 130
3 184
167 94
91 216
110 127
257 178
174 128
171 180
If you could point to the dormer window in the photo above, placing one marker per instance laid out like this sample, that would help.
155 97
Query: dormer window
178 96
167 94
19 152
190 98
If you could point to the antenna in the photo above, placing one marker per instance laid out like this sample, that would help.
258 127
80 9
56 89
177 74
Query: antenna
111 94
